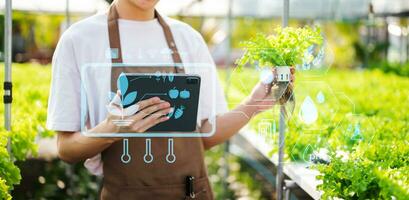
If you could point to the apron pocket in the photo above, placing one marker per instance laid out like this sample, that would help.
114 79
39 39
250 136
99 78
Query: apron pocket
164 192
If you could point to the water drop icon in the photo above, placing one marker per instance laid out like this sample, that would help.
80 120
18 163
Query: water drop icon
357 132
320 97
308 112
306 154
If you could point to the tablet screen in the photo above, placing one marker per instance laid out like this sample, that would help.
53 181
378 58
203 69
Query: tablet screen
180 90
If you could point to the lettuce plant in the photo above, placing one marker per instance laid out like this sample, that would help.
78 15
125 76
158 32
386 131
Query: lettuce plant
286 47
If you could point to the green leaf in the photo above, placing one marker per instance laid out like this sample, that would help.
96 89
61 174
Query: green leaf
285 48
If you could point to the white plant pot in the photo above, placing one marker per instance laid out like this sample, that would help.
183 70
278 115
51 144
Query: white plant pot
283 73
281 89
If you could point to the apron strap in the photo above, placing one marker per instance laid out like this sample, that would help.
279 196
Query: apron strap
169 39
115 42
113 34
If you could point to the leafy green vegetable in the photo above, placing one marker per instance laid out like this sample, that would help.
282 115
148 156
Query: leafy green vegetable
286 48
4 188
354 179
29 115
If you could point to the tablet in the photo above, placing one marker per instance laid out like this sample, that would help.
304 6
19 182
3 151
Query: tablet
180 90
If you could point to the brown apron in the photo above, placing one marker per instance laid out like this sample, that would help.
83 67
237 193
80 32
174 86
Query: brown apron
185 178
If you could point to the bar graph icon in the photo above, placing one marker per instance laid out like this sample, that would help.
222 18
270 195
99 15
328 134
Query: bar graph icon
266 128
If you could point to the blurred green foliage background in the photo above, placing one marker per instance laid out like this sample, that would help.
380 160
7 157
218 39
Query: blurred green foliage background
376 97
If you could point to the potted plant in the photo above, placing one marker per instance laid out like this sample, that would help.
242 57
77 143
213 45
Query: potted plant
278 53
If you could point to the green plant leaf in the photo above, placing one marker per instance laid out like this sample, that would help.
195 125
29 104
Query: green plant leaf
285 48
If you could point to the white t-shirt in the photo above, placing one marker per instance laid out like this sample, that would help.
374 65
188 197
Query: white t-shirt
87 42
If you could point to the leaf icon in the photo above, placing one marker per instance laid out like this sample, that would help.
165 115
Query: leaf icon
129 98
122 83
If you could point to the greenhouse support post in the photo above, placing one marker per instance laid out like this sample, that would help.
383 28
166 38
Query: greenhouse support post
67 13
281 143
227 88
281 137
7 86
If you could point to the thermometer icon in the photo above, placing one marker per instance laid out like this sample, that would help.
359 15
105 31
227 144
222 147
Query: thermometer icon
171 157
148 157
125 158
